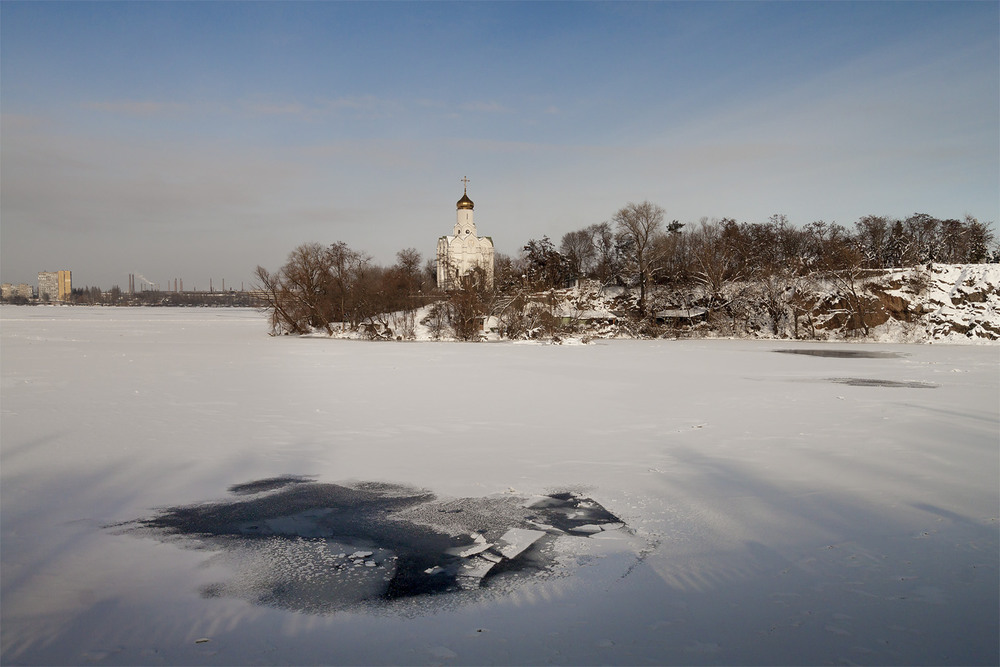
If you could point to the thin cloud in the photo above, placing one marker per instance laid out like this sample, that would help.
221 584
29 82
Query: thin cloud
136 107
474 146
287 109
485 107
380 154
427 103
364 105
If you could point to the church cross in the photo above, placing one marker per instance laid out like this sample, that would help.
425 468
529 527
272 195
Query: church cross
465 180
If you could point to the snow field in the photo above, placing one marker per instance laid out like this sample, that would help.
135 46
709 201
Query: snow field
773 515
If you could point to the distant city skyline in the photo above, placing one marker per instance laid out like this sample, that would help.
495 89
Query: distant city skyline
198 140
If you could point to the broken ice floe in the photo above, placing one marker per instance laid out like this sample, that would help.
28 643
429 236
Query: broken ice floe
483 556
588 529
516 540
479 545
472 571
295 543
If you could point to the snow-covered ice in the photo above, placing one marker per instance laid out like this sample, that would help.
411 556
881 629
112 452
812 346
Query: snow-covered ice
778 508
516 540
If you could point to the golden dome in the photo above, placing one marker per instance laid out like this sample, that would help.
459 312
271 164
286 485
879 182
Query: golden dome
465 202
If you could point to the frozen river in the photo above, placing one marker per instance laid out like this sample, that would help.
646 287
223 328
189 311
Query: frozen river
177 487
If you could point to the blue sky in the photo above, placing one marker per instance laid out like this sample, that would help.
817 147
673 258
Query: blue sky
197 140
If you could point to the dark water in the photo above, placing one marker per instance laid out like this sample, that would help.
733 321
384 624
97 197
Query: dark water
315 547
875 382
861 354
842 354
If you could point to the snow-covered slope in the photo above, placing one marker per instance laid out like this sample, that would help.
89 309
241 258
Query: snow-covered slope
962 303
938 303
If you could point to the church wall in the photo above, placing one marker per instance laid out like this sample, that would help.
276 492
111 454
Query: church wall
461 253
457 256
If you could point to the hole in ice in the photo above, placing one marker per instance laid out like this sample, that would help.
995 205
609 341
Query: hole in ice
875 382
842 354
302 545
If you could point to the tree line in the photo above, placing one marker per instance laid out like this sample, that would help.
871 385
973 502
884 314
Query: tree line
95 296
323 287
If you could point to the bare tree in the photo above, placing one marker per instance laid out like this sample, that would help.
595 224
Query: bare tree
716 261
844 261
467 306
671 251
638 225
299 293
873 233
579 250
407 268
269 286
608 259
347 266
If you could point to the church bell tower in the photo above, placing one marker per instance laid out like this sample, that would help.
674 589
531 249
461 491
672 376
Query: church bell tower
464 224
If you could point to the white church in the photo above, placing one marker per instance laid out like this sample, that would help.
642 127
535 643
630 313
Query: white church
464 250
